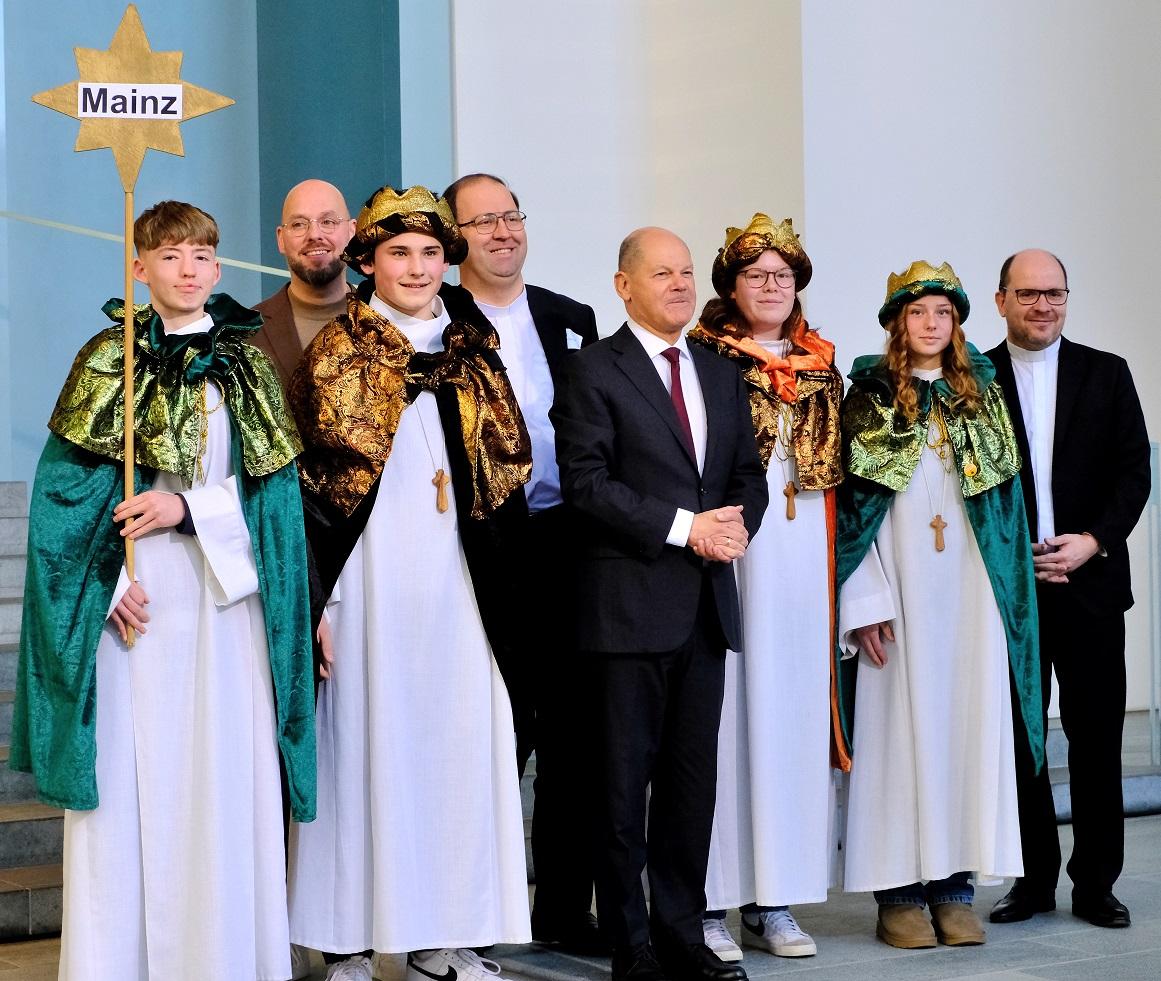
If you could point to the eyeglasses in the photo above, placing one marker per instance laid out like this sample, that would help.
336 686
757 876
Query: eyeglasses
300 226
486 224
1027 297
757 278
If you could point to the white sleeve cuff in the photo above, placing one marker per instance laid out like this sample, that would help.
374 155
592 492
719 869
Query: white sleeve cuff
119 590
221 533
865 599
680 529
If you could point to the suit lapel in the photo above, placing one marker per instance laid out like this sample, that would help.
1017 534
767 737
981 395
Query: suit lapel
1069 375
283 340
635 364
551 332
713 396
1002 359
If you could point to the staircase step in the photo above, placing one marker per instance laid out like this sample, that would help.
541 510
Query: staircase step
13 535
15 787
30 834
12 571
13 499
7 701
11 613
9 658
30 901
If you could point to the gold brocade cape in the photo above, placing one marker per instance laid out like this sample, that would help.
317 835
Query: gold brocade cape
805 380
359 374
885 448
169 375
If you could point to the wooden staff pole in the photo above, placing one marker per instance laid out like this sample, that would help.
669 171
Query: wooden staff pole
130 452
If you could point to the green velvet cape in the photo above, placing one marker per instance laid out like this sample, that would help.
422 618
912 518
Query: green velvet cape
75 554
882 451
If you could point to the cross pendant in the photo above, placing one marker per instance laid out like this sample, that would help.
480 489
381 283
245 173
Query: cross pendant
938 524
789 493
440 482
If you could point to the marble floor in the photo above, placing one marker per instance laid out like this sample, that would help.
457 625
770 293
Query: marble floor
1054 946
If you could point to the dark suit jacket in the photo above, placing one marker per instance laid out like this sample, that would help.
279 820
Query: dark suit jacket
554 315
624 467
1100 465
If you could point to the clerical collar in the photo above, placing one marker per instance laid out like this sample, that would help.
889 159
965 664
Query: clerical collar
1050 353
400 319
927 374
197 327
491 310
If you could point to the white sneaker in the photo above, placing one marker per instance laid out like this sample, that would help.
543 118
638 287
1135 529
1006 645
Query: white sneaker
299 962
451 964
718 939
777 932
357 968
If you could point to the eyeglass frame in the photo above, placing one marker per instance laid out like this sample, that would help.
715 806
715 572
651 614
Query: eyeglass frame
492 219
744 273
1039 293
311 222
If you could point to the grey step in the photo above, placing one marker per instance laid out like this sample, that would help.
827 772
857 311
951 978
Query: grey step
1056 745
13 535
15 788
9 656
6 703
11 613
30 901
12 571
30 834
13 499
1140 786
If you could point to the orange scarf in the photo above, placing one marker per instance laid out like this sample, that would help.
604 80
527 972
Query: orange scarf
820 357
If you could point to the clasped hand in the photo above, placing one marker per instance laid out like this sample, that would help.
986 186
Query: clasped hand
1054 558
719 535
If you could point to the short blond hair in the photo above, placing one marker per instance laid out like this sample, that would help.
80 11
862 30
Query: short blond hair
173 222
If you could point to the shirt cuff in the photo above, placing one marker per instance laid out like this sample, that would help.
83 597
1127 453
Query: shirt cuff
680 529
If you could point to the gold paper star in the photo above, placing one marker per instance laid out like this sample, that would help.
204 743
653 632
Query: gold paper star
129 59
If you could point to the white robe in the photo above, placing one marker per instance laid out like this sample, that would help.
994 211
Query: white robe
771 835
178 874
933 785
419 841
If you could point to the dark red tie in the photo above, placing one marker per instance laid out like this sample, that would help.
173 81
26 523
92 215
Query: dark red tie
673 356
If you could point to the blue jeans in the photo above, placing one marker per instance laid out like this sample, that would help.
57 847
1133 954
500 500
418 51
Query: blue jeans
956 888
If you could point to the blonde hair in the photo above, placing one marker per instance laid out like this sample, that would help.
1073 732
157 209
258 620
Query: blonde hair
171 223
955 360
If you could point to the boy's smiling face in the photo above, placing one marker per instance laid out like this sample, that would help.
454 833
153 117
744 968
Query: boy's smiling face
180 277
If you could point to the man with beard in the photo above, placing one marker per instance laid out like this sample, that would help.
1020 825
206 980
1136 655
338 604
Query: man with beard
315 229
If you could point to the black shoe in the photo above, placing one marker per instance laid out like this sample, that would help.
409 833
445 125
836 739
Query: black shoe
1021 903
637 964
696 962
1102 910
574 935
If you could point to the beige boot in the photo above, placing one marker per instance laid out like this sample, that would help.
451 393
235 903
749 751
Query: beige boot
904 925
957 925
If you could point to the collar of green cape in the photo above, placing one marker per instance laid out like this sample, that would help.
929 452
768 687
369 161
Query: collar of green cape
884 448
169 375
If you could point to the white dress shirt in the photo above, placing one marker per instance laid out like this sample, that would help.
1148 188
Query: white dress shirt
1036 373
531 380
694 407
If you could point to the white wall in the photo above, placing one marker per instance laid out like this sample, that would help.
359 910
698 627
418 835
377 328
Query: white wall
610 114
968 131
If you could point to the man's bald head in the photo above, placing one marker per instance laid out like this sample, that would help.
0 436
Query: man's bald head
312 253
655 280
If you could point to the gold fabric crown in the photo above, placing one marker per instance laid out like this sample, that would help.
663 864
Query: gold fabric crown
923 279
744 245
389 212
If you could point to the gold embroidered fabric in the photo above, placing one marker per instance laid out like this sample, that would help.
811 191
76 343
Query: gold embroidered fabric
168 413
884 448
816 410
358 376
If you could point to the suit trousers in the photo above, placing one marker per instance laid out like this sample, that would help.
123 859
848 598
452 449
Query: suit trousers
565 814
660 713
1087 652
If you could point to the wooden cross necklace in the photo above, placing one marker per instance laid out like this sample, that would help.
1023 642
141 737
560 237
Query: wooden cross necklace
441 479
784 450
942 448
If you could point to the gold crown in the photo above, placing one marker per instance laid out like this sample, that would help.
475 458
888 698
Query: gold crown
780 236
922 271
387 201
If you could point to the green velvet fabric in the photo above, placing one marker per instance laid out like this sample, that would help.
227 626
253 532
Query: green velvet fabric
74 558
998 521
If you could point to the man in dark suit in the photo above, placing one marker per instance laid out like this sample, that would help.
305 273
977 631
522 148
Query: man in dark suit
657 455
315 229
551 698
1086 480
